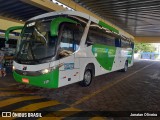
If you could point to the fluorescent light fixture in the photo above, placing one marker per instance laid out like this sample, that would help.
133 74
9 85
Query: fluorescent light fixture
61 4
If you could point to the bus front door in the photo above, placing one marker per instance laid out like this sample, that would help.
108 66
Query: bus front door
68 73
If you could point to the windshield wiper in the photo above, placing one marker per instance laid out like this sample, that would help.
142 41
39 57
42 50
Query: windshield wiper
41 35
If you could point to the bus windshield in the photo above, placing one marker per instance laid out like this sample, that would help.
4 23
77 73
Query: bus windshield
36 43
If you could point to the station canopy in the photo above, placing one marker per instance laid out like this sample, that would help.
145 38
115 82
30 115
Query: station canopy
19 10
137 17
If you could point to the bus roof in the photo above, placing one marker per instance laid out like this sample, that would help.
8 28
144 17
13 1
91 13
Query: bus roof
79 14
75 13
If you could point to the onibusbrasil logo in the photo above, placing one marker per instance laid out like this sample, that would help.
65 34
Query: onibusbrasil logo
22 114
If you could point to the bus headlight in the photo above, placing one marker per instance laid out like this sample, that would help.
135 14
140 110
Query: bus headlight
13 67
45 71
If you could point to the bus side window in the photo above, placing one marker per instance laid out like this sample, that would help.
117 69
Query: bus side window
92 37
66 40
70 39
78 31
95 35
2 42
125 43
132 45
117 42
100 36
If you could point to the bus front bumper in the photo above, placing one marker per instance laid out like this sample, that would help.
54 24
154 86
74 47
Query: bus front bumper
49 80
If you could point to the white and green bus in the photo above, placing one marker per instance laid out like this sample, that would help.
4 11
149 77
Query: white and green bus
61 48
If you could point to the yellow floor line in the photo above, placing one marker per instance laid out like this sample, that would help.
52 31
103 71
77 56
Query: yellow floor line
106 87
6 118
36 106
10 93
60 114
98 118
13 84
17 99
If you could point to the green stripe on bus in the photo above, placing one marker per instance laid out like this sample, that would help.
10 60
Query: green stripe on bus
108 27
130 54
105 55
41 79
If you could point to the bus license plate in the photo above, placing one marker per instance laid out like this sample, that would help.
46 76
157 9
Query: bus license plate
25 80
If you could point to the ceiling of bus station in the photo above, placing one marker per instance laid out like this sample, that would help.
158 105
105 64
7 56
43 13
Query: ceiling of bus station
19 10
138 17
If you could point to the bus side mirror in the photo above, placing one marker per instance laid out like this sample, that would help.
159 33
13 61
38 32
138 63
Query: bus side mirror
9 30
89 42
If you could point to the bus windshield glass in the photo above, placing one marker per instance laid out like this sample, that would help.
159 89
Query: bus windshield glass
37 44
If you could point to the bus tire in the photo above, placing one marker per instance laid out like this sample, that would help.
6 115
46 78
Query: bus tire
125 67
87 78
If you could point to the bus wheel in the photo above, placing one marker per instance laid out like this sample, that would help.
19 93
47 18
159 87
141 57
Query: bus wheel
125 67
87 79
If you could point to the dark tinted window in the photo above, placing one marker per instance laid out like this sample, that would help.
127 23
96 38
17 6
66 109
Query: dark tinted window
125 43
132 45
2 42
12 43
70 36
118 42
100 36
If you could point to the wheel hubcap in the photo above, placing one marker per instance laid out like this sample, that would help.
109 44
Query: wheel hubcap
87 77
125 67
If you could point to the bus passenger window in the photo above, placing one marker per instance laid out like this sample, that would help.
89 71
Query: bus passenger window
66 44
70 39
125 43
100 36
117 42
132 45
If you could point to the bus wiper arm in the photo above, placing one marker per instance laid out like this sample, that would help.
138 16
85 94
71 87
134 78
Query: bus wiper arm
41 35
